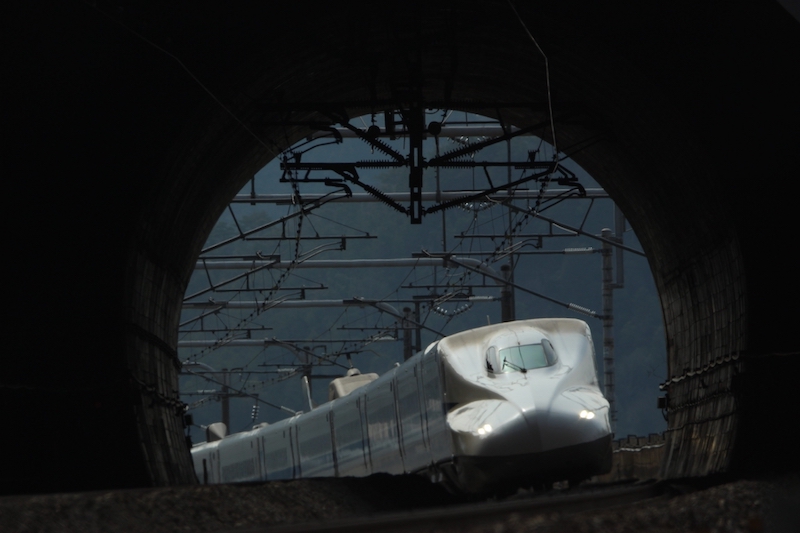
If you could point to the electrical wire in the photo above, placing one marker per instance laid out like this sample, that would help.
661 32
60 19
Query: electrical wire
547 77
235 390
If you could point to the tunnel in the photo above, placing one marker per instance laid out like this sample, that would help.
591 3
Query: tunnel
131 125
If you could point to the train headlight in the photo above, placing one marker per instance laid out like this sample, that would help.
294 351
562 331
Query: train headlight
484 429
588 415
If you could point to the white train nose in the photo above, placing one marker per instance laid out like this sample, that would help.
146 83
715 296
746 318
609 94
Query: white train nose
571 424
493 428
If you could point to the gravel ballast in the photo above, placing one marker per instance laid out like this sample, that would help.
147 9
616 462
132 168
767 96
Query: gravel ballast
770 506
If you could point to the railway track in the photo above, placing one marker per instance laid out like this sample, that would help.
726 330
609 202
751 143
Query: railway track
476 515
409 504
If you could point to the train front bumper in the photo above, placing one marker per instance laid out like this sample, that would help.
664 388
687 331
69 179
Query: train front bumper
499 428
495 443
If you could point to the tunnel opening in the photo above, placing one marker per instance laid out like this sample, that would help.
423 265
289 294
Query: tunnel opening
688 248
261 313
662 95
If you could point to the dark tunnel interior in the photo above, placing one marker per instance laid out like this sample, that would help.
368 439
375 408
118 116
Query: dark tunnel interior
130 126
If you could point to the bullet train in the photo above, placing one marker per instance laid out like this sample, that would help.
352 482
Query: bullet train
482 411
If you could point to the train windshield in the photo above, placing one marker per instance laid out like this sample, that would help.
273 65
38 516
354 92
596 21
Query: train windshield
520 358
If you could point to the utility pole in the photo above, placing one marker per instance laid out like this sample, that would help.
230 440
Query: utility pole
508 301
608 307
407 345
417 329
506 296
225 399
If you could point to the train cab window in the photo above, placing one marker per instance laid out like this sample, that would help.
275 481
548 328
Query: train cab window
520 358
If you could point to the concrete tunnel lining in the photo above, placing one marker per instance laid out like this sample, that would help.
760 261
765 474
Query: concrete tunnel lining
665 155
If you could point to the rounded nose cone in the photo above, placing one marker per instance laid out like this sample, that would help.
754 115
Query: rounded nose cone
493 428
571 424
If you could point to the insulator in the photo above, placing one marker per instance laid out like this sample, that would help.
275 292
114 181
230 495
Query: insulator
376 164
466 148
380 145
581 309
454 164
457 311
475 206
382 197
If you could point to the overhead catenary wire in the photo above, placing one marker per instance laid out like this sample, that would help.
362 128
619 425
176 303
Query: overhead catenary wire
265 305
240 391
297 253
547 77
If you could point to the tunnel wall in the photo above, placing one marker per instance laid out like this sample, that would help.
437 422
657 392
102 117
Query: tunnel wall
128 161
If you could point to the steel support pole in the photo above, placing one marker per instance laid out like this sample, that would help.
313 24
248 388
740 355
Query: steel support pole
416 125
506 296
509 302
402 262
429 196
619 231
608 328
417 330
407 346
226 400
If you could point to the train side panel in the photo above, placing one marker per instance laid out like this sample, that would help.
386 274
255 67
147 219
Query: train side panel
382 432
439 441
315 444
416 454
238 459
350 435
279 459
206 463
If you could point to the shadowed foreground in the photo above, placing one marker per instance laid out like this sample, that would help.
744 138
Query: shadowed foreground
750 506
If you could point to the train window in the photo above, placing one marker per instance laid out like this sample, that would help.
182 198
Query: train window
520 358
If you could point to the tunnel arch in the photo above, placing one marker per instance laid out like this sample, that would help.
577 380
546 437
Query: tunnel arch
657 93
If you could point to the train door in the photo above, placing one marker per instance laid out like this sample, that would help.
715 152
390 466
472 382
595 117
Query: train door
261 470
331 420
213 467
262 460
297 470
201 466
